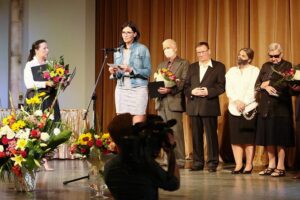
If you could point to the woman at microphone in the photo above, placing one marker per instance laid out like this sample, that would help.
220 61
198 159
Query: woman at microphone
132 73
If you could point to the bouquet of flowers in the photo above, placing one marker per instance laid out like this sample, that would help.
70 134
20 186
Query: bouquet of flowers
166 76
292 75
26 136
58 73
90 140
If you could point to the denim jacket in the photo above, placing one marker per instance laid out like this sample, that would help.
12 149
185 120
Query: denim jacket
140 62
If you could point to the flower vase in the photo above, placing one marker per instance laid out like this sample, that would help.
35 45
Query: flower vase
26 182
96 181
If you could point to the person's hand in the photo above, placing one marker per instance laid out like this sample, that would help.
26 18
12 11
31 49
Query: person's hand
296 88
264 84
240 105
126 68
196 91
164 90
203 91
112 70
49 83
171 142
271 91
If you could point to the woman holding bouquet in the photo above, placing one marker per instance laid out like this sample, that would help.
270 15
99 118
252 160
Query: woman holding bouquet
132 73
240 81
38 56
275 113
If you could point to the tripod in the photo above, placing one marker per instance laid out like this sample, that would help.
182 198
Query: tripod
92 98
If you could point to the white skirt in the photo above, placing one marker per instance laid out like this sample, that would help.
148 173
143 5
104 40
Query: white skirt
131 100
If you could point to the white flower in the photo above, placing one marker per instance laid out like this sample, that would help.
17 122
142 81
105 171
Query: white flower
23 134
297 75
56 131
51 117
1 148
38 113
45 136
5 130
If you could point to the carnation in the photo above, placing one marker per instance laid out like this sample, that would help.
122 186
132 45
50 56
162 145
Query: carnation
56 131
45 136
38 113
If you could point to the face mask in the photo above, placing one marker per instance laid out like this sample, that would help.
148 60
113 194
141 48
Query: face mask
242 62
169 53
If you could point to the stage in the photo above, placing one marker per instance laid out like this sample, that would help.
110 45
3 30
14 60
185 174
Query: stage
194 185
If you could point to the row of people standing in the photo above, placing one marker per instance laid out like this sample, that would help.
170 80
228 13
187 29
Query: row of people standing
201 83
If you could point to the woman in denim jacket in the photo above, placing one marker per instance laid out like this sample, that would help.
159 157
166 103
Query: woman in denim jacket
132 73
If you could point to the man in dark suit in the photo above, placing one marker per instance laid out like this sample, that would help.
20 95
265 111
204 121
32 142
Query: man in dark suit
204 83
171 105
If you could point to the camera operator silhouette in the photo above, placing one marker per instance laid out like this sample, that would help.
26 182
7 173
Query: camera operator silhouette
134 173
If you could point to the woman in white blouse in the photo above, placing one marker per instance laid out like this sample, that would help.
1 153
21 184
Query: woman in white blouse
240 81
38 56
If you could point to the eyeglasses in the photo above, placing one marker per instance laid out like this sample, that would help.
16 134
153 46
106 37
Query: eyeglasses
275 56
202 52
127 33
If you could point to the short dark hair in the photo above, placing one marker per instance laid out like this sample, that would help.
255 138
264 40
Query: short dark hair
134 28
249 52
202 44
120 126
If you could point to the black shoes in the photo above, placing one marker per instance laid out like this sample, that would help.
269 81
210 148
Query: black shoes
240 171
196 168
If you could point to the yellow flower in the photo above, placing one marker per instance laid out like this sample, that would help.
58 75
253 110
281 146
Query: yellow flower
33 100
41 94
21 144
52 74
84 138
5 121
105 136
18 160
15 127
60 71
21 123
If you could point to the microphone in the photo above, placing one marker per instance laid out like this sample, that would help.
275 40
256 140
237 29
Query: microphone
111 49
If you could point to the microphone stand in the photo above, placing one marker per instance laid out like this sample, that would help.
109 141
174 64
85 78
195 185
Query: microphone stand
92 98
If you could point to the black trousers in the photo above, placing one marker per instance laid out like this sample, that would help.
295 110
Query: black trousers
47 102
210 125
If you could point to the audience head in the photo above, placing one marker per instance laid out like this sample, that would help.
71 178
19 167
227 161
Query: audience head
245 56
40 49
203 52
275 53
170 48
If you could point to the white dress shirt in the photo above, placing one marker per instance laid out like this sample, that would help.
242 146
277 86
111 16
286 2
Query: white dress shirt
203 69
28 77
240 86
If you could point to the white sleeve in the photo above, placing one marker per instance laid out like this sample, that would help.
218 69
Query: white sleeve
229 86
28 79
250 93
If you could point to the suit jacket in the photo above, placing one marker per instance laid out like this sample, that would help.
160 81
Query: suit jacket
175 99
213 80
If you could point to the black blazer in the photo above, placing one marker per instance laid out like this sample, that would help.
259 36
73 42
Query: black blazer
213 80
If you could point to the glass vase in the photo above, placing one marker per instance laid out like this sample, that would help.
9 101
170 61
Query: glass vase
26 182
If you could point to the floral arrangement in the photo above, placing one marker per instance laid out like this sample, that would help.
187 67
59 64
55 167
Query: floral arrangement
58 73
166 76
292 75
90 140
27 135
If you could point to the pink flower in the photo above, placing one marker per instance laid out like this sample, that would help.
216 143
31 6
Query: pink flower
56 79
47 75
4 140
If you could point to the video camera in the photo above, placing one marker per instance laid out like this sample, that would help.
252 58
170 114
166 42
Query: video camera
147 138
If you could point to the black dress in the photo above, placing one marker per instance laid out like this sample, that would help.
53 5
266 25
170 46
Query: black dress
275 113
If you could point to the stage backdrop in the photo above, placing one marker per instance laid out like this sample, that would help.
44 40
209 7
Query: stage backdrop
227 25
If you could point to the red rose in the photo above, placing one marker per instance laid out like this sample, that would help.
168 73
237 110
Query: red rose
17 170
83 150
56 79
35 133
99 143
4 140
23 153
2 155
73 149
90 143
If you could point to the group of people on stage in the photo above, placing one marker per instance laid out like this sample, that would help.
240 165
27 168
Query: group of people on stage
264 121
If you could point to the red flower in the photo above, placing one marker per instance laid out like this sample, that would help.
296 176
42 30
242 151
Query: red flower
99 143
56 79
90 143
17 170
23 153
2 155
41 125
35 133
83 150
73 149
4 140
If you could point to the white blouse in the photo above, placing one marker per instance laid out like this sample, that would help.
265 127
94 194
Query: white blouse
28 77
240 86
